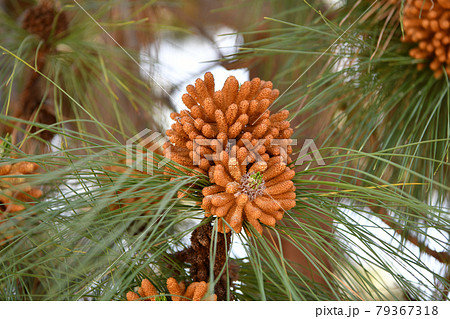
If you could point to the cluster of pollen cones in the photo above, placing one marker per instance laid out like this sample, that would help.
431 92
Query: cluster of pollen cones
231 136
15 191
427 23
196 291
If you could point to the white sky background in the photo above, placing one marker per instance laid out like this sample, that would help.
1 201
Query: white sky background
180 61
381 233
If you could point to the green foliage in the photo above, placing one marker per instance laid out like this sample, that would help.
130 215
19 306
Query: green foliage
102 227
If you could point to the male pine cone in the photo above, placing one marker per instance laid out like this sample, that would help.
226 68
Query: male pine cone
231 136
427 23
14 192
196 291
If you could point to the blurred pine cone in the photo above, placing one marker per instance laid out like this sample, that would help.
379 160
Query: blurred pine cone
427 23
14 192
44 20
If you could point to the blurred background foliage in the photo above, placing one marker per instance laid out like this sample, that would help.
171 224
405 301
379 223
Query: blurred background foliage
371 224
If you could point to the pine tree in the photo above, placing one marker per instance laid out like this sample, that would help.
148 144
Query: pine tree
85 215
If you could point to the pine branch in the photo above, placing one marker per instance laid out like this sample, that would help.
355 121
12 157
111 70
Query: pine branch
381 213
